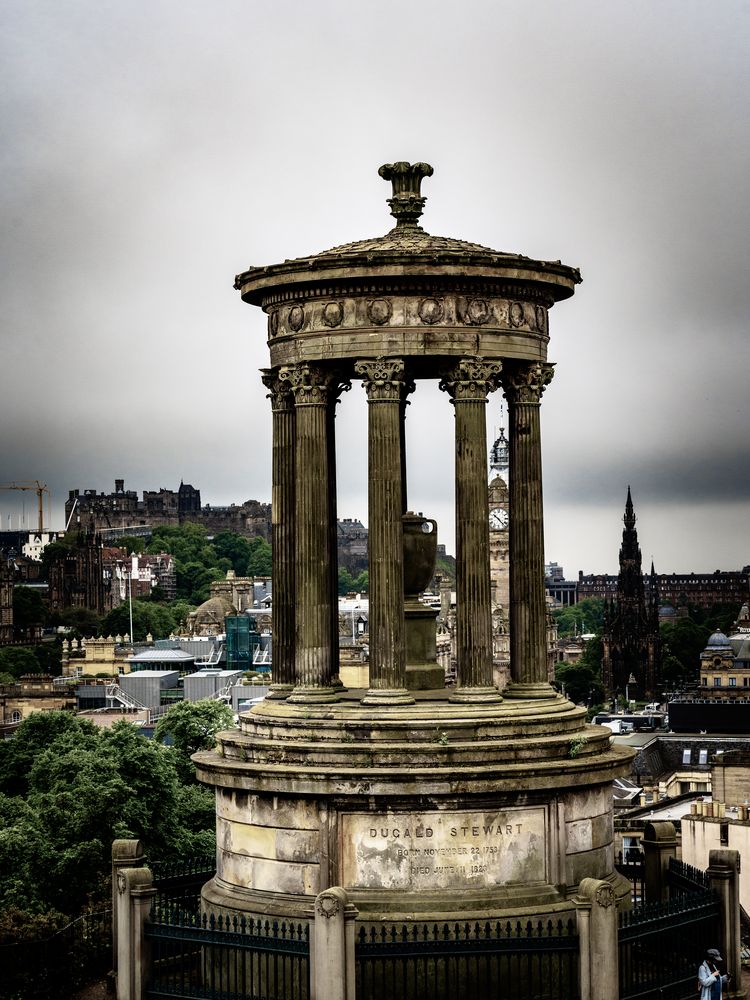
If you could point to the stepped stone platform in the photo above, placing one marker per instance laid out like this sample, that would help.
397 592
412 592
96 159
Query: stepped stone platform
435 810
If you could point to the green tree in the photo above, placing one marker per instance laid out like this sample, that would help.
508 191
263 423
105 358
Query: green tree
571 620
29 612
190 726
346 583
17 660
259 563
67 789
131 544
583 680
682 643
362 583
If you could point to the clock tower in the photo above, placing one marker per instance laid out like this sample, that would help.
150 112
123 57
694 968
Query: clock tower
499 509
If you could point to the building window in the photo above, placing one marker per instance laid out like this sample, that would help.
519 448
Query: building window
15 716
703 756
732 682
746 681
686 756
717 682
705 681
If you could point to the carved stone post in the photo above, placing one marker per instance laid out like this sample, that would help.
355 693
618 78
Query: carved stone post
523 384
724 877
135 893
468 384
659 843
282 533
597 934
332 952
386 386
125 854
312 526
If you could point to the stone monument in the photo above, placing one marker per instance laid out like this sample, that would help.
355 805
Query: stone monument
436 803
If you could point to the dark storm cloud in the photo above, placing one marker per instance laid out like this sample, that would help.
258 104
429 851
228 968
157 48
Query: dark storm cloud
153 151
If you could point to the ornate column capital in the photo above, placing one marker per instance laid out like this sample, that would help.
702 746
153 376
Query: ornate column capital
525 381
384 379
312 385
279 392
471 379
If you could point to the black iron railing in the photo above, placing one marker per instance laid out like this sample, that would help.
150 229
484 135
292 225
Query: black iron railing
202 955
54 967
491 960
661 945
630 864
683 878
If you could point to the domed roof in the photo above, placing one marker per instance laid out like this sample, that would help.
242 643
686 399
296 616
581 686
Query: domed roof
407 250
717 640
215 608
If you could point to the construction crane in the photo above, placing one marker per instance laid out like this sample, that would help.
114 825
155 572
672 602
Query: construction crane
39 488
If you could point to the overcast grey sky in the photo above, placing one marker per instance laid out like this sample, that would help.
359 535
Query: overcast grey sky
152 150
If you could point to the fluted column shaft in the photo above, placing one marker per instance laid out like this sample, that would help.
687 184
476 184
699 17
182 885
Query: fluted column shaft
386 385
282 534
313 660
338 385
468 384
523 384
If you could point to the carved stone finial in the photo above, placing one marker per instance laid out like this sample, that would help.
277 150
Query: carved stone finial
407 202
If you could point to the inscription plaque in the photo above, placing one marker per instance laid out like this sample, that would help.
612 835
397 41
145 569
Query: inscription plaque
437 850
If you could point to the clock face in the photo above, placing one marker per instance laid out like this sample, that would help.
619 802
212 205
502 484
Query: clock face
499 518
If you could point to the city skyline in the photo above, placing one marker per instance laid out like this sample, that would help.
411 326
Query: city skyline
153 154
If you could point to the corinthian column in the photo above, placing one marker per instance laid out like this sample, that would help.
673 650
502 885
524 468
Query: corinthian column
282 533
338 384
310 385
523 384
386 386
468 384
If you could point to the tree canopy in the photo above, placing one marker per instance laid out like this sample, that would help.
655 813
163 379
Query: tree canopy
68 789
586 616
190 726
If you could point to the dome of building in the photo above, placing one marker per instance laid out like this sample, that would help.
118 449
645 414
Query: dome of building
717 640
213 608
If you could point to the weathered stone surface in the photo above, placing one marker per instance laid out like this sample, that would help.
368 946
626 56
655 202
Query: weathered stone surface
427 851
268 876
300 846
277 812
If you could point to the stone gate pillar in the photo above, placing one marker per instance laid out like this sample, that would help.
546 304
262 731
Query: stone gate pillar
282 533
523 384
387 386
468 384
311 385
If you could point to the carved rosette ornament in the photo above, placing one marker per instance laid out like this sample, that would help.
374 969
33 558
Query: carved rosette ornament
605 896
273 323
384 378
525 383
379 311
478 311
279 391
328 905
310 384
121 883
296 318
333 313
431 311
471 378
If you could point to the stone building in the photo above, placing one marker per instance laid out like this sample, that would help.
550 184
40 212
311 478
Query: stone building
725 662
77 578
115 512
680 590
33 693
631 642
6 599
383 796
